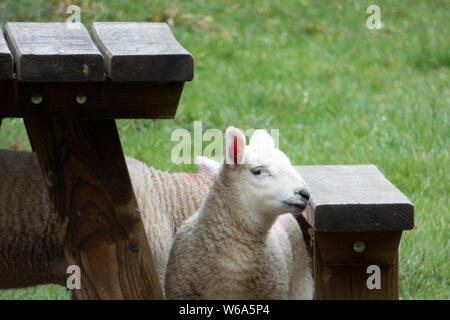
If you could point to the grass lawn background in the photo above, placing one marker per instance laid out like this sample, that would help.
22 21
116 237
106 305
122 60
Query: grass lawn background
338 92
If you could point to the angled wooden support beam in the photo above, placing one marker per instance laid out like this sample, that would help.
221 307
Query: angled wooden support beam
60 75
89 187
354 225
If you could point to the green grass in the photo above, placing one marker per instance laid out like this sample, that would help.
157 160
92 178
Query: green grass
338 92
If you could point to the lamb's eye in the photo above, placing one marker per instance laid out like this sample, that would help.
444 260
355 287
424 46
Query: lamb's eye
256 171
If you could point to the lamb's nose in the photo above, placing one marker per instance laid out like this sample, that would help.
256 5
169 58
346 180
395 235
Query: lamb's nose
303 193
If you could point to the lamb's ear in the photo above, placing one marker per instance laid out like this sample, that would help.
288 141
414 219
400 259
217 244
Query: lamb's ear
206 165
234 147
263 138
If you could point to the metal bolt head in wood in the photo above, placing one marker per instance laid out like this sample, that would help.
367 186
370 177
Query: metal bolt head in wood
37 98
81 99
359 246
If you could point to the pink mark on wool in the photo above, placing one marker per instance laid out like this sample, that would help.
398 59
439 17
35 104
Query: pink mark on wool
134 163
278 229
200 177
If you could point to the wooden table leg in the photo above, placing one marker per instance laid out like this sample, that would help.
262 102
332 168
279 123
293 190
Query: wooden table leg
341 273
90 188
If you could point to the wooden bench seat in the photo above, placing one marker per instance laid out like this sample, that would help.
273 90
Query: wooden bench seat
355 220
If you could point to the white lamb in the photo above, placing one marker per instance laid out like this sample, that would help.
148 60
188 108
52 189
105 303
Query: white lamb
241 244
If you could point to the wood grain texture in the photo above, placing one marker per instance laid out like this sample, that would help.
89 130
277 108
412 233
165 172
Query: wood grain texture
307 233
105 100
349 281
89 186
6 61
355 198
381 247
7 93
142 51
53 52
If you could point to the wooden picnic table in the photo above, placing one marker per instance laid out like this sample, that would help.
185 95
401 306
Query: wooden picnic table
69 87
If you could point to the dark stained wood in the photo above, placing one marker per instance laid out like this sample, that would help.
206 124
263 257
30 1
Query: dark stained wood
6 62
67 105
89 187
349 281
7 93
53 52
349 204
307 232
355 198
142 51
105 100
337 247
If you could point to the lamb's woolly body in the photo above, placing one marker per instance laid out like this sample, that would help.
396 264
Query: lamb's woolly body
237 259
228 251
165 201
31 251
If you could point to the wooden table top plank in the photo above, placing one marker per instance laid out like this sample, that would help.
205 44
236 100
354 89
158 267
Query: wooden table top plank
6 61
142 51
53 52
355 198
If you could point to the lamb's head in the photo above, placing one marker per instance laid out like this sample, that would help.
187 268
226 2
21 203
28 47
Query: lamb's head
261 173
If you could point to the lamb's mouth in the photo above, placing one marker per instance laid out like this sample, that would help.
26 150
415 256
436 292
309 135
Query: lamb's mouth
300 205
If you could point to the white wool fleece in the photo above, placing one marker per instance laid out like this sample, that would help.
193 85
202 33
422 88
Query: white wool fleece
242 243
